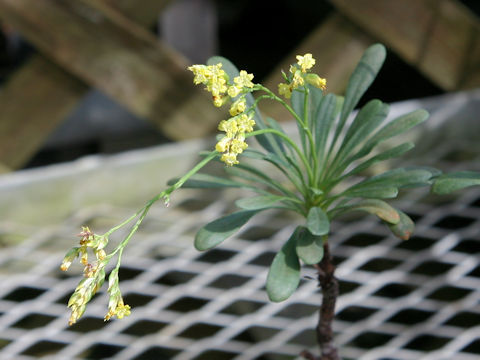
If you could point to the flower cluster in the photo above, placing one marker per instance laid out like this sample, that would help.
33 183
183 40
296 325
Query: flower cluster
94 274
88 240
116 307
217 82
84 291
299 75
233 143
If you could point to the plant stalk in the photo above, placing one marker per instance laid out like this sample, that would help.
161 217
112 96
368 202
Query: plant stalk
324 329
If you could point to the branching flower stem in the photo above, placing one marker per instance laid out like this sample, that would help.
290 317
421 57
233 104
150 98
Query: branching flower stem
165 195
304 124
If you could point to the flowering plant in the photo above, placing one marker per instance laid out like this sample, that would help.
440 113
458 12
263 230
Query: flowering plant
321 177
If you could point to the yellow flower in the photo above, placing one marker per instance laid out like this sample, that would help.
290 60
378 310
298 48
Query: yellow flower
200 72
223 144
117 308
229 159
233 143
245 123
219 100
122 311
285 90
244 80
230 126
316 81
238 145
297 80
238 106
69 257
305 62
214 78
233 91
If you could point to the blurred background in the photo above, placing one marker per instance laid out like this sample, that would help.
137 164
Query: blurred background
94 77
85 77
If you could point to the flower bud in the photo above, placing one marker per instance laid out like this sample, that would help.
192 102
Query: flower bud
317 81
69 257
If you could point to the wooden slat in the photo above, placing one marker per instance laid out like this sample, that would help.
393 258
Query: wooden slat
32 104
40 95
436 36
115 56
144 12
337 45
17 145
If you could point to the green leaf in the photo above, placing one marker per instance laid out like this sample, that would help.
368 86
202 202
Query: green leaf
386 185
259 202
284 273
297 101
401 178
367 120
275 125
404 228
360 80
309 247
388 154
372 206
448 183
285 164
317 221
205 181
324 119
218 230
372 192
250 173
371 114
314 101
392 129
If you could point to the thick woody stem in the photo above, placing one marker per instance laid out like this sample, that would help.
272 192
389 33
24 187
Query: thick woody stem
329 285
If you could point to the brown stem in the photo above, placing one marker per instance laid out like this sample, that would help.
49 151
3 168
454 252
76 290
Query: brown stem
329 285
308 355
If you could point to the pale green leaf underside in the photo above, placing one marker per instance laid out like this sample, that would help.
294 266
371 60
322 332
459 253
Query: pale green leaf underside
284 273
404 228
317 221
259 202
309 247
372 206
448 183
220 229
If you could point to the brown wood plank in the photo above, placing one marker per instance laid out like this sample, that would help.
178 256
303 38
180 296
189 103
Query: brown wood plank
144 12
114 55
435 36
40 94
337 45
33 104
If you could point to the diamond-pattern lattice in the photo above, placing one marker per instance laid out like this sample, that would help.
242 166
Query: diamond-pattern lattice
400 300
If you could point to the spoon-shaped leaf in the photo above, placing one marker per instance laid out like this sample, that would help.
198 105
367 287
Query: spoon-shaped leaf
259 202
404 228
317 221
372 206
218 230
448 183
284 273
309 247
360 80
